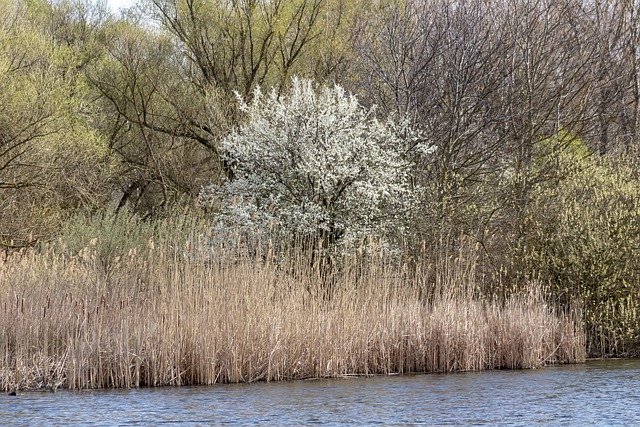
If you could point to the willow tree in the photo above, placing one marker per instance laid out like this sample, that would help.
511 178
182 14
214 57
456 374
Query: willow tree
48 149
240 44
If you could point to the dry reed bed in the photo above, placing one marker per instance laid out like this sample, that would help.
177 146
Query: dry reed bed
154 320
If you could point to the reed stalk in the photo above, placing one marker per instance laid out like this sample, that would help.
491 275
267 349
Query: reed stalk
159 319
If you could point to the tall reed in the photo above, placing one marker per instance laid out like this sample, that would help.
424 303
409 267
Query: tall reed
159 318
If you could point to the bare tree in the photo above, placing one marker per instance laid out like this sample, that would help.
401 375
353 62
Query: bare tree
238 44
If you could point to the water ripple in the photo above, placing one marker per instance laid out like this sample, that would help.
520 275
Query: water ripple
597 393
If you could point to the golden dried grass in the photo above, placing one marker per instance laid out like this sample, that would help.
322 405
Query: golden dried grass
158 320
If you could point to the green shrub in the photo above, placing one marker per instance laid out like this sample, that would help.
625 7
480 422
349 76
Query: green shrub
106 236
583 238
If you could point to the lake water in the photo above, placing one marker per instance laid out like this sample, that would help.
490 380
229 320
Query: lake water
596 393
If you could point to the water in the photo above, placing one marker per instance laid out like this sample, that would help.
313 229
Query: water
597 393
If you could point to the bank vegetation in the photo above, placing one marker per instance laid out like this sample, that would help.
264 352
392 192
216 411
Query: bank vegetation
330 156
148 316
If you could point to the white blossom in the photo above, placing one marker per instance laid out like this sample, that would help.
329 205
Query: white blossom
316 162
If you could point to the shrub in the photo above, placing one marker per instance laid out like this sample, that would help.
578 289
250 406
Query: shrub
584 234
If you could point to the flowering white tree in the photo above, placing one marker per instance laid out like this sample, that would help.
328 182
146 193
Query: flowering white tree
316 164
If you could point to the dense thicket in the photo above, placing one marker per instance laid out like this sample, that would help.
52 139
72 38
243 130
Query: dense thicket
529 111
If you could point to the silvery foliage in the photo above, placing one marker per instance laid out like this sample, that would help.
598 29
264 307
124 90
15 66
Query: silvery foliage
315 162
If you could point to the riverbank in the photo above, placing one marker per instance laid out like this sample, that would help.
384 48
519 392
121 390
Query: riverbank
157 319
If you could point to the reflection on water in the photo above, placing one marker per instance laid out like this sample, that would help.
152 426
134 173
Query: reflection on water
598 393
